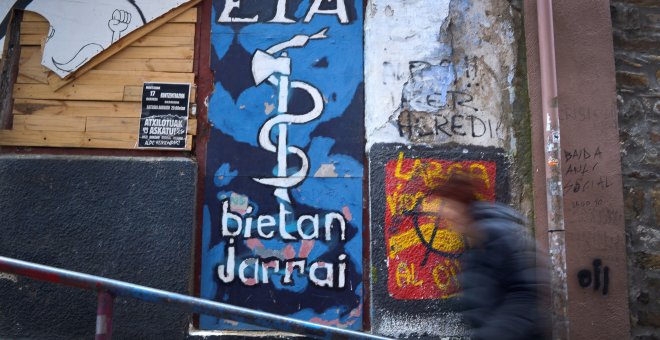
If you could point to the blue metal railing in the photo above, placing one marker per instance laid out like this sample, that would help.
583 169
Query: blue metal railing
108 289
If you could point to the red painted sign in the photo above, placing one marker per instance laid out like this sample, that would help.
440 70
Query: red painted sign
423 253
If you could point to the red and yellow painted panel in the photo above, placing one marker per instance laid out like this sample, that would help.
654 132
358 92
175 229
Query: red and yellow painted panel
422 249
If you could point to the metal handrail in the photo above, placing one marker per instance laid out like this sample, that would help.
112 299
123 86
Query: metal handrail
108 289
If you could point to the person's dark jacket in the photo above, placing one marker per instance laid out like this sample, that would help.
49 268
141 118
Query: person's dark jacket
500 279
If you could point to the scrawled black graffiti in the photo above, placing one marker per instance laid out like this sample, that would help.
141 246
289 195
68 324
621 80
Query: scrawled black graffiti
432 105
423 124
586 185
582 161
139 10
588 277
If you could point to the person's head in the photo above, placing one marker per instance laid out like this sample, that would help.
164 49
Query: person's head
456 196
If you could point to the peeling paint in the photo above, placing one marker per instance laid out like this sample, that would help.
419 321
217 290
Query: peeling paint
326 170
10 277
455 78
268 108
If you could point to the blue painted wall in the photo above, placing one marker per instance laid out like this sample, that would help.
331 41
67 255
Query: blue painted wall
270 201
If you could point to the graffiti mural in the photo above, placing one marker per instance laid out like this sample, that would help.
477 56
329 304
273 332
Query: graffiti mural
99 24
415 254
282 226
422 252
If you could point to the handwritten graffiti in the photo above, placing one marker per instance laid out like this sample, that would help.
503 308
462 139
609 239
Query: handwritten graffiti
434 105
582 161
588 277
422 250
423 124
585 185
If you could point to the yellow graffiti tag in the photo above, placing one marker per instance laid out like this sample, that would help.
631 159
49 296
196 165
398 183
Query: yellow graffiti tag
450 269
400 203
406 275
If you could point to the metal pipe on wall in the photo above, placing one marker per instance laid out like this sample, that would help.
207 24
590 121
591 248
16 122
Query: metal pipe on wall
553 175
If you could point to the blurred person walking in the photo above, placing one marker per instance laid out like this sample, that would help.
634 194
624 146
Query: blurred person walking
502 284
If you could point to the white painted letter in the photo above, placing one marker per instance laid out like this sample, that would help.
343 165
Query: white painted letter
328 274
226 215
280 14
229 6
315 225
340 11
329 218
241 271
248 223
285 235
289 267
228 275
342 271
268 265
265 221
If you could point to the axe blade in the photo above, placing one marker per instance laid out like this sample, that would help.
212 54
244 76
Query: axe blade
264 65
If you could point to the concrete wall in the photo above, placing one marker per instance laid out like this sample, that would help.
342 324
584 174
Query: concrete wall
636 27
129 219
443 92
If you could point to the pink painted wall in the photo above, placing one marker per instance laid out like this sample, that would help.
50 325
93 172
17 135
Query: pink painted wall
591 169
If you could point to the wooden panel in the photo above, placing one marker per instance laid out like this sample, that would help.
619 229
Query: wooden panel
74 139
175 30
49 123
34 27
113 124
99 106
76 108
32 16
30 70
32 39
118 140
76 92
41 138
156 52
155 40
156 65
134 93
187 16
96 77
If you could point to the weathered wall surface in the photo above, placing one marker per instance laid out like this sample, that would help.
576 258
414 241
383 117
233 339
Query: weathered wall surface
596 272
636 26
124 218
442 93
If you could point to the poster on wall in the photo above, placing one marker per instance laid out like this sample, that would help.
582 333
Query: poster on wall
282 220
164 116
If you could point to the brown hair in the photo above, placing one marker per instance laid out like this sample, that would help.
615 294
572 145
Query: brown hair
459 187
